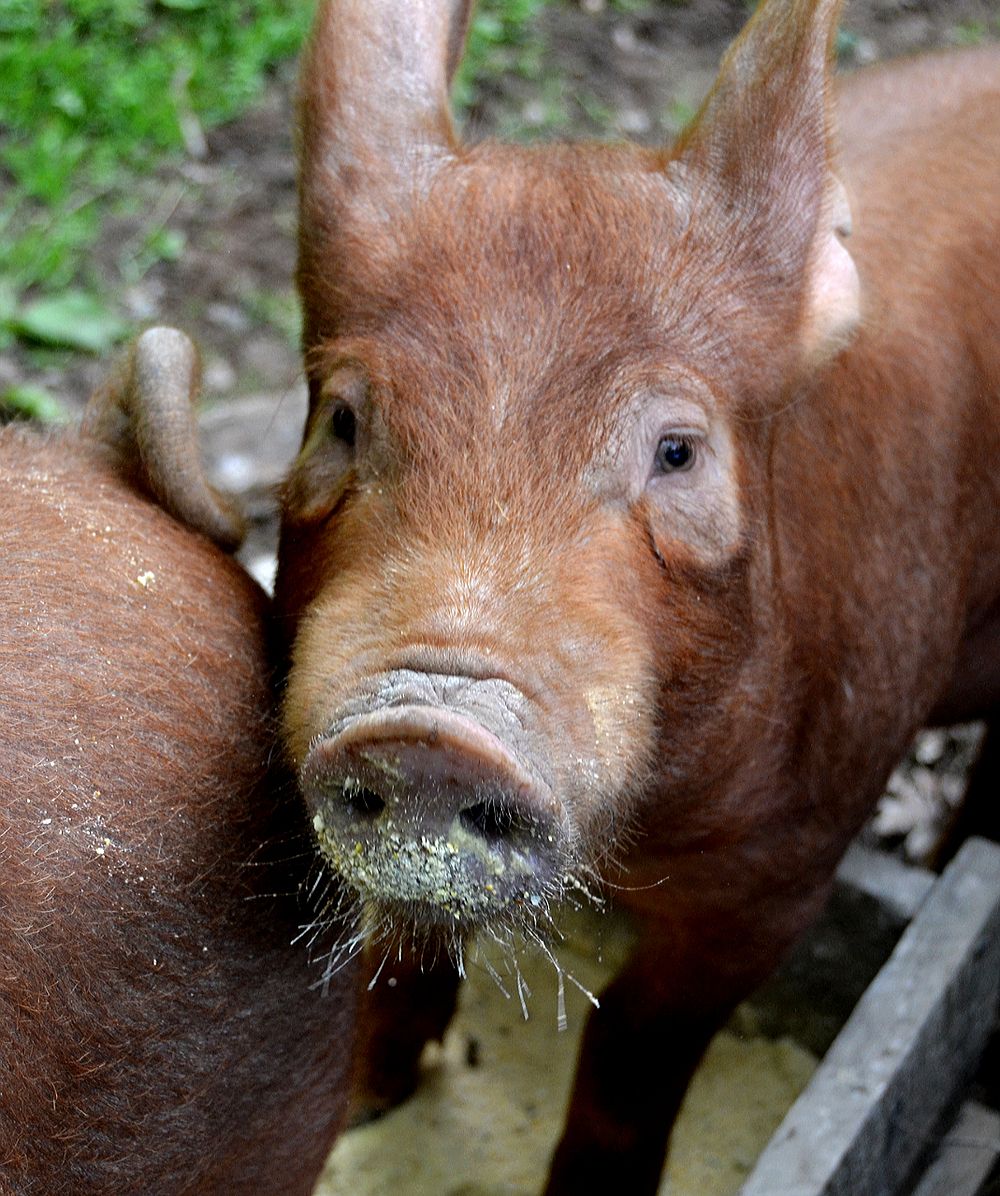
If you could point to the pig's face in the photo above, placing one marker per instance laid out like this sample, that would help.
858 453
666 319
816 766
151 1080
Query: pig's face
514 559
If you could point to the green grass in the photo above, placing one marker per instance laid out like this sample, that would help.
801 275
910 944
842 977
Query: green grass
97 93
97 90
502 40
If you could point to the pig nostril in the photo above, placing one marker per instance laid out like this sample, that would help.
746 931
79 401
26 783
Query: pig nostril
363 800
494 820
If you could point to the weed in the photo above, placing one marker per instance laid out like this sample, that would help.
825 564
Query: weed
31 402
970 33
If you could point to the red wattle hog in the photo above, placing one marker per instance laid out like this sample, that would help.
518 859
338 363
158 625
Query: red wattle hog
161 1032
648 503
642 514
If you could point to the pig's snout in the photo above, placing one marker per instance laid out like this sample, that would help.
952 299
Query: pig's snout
424 806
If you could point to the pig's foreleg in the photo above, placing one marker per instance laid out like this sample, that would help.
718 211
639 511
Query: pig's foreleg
639 1051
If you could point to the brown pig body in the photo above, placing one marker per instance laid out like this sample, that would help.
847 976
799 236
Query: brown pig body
645 509
158 1030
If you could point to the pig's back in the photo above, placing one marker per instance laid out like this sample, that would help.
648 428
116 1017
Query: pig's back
160 1031
879 105
920 157
122 622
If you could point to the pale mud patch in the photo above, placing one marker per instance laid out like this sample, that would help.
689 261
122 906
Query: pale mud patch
490 1106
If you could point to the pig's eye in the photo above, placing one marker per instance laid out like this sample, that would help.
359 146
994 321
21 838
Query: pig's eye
344 424
674 454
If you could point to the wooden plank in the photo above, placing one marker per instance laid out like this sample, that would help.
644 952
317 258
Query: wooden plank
966 1155
820 983
899 888
905 1052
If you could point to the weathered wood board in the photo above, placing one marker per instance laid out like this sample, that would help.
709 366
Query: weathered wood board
906 1051
966 1156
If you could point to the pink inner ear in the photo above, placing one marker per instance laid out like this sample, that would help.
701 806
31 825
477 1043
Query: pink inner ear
833 296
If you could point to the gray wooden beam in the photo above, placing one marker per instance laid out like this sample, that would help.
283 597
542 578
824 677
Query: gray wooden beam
905 1052
966 1155
900 888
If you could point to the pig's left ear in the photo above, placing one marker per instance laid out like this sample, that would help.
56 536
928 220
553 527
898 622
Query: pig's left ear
374 128
762 147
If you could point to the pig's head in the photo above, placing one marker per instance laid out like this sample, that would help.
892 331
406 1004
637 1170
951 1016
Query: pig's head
524 561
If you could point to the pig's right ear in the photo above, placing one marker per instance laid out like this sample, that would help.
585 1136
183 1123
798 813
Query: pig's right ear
375 124
144 413
761 156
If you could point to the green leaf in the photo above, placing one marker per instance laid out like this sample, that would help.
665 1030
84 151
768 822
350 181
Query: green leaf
846 44
167 244
33 402
73 320
969 33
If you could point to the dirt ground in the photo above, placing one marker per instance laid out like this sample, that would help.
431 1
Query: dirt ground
490 1106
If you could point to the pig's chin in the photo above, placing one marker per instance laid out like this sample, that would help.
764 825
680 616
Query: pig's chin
430 815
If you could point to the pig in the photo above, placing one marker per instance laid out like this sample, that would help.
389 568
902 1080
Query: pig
162 1032
646 506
